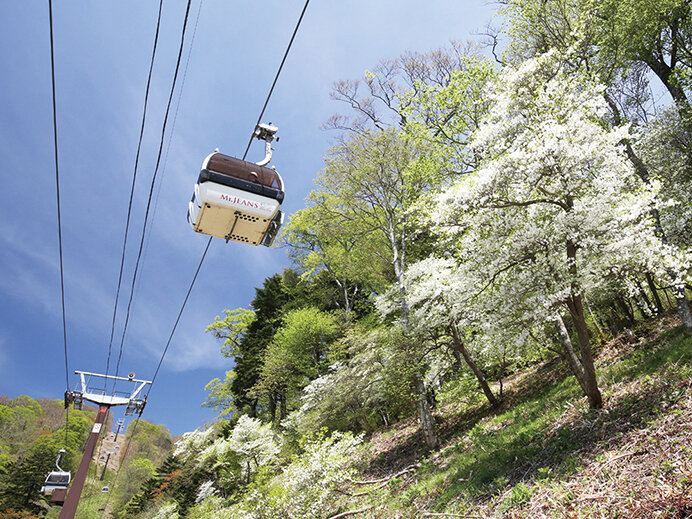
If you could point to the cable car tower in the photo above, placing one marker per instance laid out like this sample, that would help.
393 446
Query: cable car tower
97 395
239 200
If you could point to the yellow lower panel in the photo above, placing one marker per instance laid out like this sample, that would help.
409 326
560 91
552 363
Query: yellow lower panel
218 221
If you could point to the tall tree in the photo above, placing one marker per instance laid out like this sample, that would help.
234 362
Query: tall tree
370 185
246 335
621 42
319 244
298 354
556 206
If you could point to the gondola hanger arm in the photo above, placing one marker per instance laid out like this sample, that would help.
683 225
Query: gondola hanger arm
265 132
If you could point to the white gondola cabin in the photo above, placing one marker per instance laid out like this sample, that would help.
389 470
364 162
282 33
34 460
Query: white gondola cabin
238 200
57 482
57 479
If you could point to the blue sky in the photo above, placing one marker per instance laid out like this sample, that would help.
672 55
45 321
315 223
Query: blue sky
102 52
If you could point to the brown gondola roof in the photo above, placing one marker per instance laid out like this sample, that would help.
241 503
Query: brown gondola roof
244 170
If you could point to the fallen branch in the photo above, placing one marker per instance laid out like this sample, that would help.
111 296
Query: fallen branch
385 479
434 514
351 512
623 455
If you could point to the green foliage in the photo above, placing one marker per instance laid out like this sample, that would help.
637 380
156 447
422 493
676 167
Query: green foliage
32 434
619 41
220 397
520 495
231 329
268 306
18 514
271 369
331 257
18 421
129 482
461 389
150 441
442 118
298 352
212 507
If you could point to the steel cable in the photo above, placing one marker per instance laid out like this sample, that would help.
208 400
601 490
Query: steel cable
132 188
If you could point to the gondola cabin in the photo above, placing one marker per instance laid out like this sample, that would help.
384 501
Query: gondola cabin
56 485
237 200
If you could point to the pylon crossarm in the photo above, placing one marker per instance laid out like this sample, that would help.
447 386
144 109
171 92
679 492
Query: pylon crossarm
139 389
99 396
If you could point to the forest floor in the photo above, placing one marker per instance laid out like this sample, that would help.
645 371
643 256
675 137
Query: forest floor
544 453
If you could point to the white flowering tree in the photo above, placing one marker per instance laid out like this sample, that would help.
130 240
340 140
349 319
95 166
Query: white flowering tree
555 208
360 392
303 489
441 299
188 447
673 168
629 45
255 444
231 460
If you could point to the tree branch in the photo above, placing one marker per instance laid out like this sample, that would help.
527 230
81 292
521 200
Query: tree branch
386 479
351 512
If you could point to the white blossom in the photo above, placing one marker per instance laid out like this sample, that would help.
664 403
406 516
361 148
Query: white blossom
205 491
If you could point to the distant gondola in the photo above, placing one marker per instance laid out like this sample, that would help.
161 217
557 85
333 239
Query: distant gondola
57 482
238 200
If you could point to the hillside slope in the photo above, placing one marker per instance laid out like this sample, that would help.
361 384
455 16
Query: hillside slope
546 454
543 453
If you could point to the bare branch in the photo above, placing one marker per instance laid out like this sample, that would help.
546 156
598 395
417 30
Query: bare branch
351 512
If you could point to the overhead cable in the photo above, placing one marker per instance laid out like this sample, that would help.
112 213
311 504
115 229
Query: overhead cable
204 254
132 188
172 132
151 189
276 77
57 196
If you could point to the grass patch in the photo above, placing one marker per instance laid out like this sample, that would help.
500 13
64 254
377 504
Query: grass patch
517 498
549 432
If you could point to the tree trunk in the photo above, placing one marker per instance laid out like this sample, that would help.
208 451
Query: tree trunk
649 305
426 419
458 363
572 360
629 316
601 335
654 293
461 348
272 407
683 307
283 411
424 413
343 285
665 73
576 310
